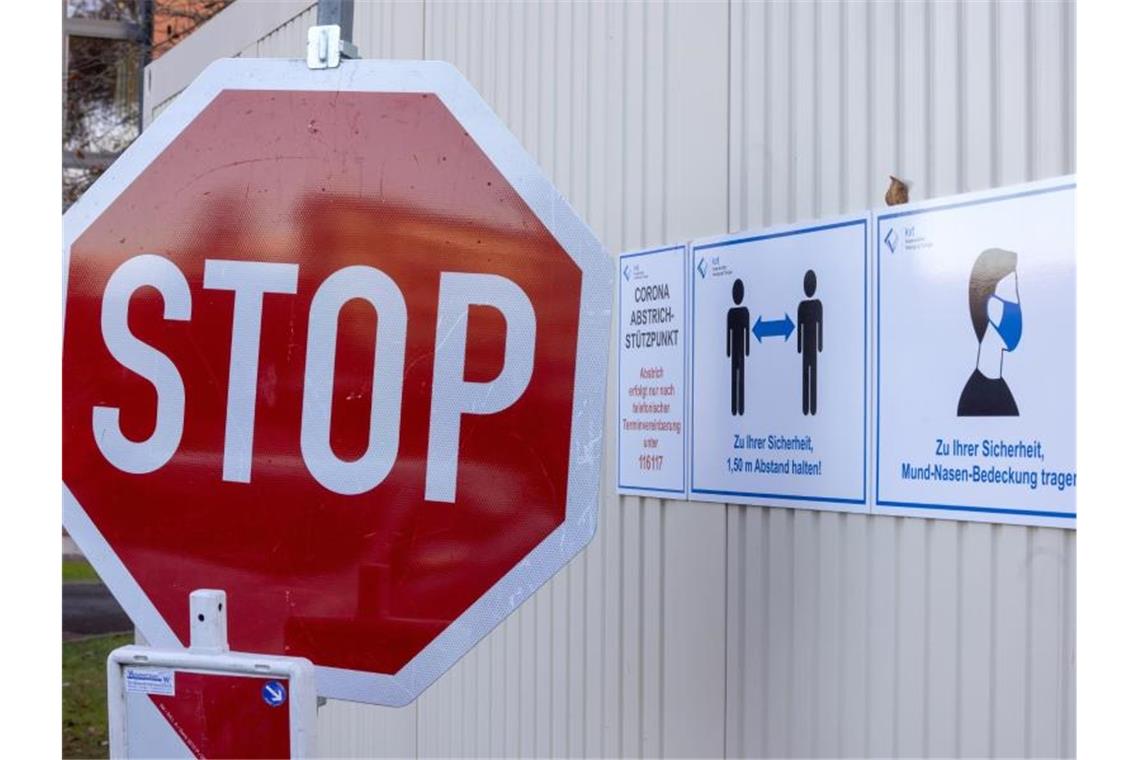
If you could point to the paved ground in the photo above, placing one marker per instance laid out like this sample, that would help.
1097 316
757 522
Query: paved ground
89 609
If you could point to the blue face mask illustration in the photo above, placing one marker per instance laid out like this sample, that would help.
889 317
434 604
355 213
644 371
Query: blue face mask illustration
1010 326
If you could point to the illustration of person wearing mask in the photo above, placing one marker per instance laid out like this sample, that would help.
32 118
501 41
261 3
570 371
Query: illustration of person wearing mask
995 309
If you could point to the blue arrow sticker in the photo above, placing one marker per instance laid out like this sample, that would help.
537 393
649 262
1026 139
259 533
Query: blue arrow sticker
273 692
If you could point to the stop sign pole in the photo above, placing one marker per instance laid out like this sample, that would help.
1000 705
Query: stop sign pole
333 344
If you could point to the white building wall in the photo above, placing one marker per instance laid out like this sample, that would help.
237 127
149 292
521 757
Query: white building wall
692 629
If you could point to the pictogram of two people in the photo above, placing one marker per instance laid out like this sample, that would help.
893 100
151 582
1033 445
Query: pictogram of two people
809 343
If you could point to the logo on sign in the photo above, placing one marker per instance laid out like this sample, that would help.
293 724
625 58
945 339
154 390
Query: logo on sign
626 272
703 268
892 240
273 692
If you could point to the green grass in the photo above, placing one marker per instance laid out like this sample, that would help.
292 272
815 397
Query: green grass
85 694
78 571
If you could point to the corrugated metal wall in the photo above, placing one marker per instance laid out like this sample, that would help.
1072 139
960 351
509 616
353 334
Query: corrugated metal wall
705 629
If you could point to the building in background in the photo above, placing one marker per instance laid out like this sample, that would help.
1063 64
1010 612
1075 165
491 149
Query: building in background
106 45
174 20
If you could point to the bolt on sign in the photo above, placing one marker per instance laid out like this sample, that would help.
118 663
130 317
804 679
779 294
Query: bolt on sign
334 344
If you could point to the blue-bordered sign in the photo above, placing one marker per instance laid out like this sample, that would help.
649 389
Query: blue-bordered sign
651 425
975 364
779 366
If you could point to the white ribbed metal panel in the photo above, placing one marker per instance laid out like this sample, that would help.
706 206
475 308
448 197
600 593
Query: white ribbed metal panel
704 629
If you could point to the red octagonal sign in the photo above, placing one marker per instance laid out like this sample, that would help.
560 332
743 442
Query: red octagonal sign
333 344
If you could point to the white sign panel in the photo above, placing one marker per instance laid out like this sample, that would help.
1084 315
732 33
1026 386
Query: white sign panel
189 703
976 356
779 364
651 372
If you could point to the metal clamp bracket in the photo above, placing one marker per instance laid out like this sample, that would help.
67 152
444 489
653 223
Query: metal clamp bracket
326 48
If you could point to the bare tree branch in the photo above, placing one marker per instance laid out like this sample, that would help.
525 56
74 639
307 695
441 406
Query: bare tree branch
102 80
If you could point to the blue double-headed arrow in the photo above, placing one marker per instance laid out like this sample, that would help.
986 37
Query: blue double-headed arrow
773 328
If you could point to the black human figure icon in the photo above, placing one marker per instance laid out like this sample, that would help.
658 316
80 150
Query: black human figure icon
809 340
737 335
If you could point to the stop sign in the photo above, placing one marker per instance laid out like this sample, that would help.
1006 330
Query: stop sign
333 344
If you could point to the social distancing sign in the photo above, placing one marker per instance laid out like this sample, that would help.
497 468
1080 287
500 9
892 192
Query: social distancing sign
913 360
779 366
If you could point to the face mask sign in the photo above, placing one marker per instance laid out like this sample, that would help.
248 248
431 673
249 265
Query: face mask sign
1009 328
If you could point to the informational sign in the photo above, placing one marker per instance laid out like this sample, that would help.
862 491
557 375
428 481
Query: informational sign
778 366
976 356
186 704
332 344
651 432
